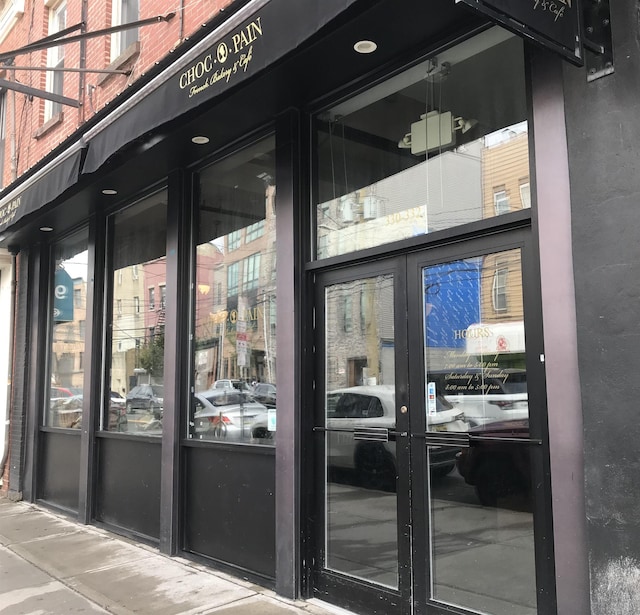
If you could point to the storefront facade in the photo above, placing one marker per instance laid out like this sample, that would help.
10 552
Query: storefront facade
306 314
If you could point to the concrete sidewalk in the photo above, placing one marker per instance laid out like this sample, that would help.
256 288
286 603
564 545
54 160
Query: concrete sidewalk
52 566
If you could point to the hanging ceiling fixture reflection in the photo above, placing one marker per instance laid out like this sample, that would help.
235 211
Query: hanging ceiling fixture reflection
435 131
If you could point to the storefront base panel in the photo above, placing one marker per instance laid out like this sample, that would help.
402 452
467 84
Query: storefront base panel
229 513
59 471
128 485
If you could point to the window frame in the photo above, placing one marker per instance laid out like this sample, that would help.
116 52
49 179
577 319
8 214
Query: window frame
120 41
54 80
501 201
499 288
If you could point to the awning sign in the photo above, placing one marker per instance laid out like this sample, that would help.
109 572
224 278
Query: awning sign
238 50
554 24
63 297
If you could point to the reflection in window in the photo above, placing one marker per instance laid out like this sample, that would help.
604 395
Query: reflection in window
501 202
359 378
500 289
65 376
475 372
251 272
347 323
134 397
525 194
233 278
415 155
235 300
233 241
254 231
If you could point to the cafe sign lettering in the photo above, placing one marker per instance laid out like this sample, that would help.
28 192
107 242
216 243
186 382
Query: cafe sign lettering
554 24
9 211
231 56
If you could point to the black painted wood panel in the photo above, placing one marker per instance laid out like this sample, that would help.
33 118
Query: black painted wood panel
128 485
230 506
59 475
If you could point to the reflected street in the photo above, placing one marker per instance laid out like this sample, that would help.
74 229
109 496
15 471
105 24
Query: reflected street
483 555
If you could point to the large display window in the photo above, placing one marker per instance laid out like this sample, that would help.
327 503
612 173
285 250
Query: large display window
134 399
234 299
442 144
63 391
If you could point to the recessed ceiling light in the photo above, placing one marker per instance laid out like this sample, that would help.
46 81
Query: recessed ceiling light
46 229
200 140
109 191
365 46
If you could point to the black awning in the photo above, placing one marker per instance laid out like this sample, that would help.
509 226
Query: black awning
236 50
41 188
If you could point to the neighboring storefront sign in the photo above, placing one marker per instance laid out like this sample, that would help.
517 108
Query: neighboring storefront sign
63 297
554 24
40 189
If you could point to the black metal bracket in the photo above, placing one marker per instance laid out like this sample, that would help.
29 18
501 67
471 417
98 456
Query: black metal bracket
597 38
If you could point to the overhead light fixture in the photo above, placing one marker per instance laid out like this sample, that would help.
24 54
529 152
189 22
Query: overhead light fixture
109 191
365 46
200 140
46 229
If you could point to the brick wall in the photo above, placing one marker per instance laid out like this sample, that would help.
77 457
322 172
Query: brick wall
33 138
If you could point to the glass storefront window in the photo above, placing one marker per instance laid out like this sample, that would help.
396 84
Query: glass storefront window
442 144
234 350
65 404
134 403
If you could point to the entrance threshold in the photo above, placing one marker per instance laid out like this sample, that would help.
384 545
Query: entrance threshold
331 608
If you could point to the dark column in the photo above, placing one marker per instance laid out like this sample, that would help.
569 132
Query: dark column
289 234
176 356
93 349
18 402
553 225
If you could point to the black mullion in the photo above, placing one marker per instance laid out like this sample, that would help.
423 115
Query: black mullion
176 347
93 375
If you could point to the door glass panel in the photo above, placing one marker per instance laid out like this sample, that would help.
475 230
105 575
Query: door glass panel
234 342
361 505
442 144
134 401
480 513
68 321
474 342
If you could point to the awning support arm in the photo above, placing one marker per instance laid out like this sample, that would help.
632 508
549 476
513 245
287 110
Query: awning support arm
25 89
66 69
54 39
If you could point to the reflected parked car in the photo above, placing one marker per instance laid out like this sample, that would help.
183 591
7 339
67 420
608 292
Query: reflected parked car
499 470
265 393
359 408
145 398
375 406
239 385
68 412
225 414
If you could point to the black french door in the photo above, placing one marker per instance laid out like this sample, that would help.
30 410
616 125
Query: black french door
430 483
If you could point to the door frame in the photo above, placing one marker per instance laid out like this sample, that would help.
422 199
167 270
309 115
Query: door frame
358 594
404 264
